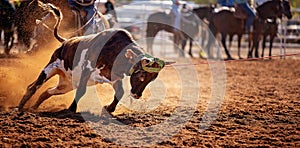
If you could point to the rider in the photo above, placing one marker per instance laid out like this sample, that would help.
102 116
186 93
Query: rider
226 3
88 7
176 14
251 14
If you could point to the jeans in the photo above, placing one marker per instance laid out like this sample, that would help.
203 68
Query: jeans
227 3
251 14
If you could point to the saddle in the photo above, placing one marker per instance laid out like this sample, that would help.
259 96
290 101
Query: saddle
237 11
219 9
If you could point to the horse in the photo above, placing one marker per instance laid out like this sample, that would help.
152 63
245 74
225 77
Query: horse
7 11
157 22
267 25
162 21
226 23
31 10
27 12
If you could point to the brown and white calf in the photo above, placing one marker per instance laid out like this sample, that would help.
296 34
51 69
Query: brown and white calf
105 57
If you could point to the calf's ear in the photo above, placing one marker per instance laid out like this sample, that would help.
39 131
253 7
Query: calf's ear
129 54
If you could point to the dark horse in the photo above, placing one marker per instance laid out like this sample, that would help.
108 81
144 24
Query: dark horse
189 27
7 11
267 25
31 10
226 23
28 11
157 22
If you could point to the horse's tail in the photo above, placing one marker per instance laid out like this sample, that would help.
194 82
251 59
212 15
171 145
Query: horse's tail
58 15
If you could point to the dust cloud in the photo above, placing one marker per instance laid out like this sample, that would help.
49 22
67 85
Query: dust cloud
18 72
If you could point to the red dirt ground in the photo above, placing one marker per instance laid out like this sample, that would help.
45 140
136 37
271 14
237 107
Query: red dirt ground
261 108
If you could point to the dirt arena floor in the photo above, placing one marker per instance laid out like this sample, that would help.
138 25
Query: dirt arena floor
260 108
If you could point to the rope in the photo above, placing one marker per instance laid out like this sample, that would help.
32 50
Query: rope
83 26
76 31
230 61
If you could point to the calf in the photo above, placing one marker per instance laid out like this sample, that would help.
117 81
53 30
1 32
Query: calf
104 57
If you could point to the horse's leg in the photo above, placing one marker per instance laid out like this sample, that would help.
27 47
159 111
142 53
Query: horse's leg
256 51
250 51
271 45
191 46
230 41
255 45
183 42
0 35
27 40
11 40
239 46
263 45
6 42
223 40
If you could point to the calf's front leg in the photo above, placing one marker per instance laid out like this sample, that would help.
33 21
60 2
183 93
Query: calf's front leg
81 90
119 92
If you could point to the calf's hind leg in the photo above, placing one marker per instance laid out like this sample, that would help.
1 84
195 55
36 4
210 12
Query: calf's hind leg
31 89
48 72
64 85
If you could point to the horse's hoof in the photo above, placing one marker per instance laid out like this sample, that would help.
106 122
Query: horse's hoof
229 58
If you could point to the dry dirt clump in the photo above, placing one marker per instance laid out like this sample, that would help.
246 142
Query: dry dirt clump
261 108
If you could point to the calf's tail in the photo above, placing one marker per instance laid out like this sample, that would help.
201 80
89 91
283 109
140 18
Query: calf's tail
58 15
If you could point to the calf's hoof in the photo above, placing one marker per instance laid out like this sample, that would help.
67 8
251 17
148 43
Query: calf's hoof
110 108
72 109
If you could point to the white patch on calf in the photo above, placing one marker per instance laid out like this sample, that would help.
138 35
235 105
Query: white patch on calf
73 77
50 69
